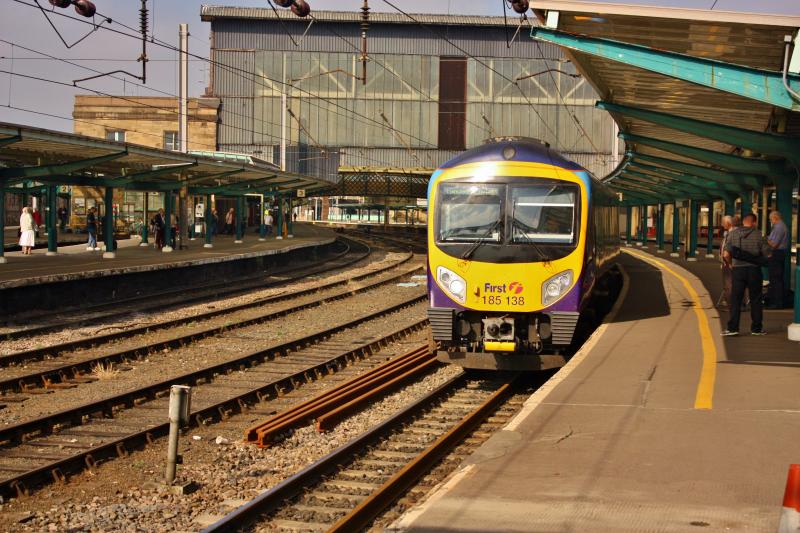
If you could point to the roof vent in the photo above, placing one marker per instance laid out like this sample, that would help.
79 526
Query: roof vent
513 138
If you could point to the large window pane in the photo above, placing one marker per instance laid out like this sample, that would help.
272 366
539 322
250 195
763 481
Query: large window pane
471 212
543 213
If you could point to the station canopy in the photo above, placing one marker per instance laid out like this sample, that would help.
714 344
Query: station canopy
698 95
57 158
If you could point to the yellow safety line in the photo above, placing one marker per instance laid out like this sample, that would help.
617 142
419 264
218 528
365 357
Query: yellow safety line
708 375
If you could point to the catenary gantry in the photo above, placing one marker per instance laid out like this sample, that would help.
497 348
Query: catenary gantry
34 159
702 104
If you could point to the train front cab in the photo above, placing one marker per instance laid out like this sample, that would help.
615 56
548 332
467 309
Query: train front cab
494 304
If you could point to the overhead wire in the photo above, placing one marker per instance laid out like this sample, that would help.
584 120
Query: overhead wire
244 74
514 82
199 103
570 113
482 63
390 71
100 93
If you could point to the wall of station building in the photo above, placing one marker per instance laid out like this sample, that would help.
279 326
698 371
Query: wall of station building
146 121
396 118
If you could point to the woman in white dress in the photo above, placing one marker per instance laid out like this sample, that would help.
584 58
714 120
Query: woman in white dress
27 230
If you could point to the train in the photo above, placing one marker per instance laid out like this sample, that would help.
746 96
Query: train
520 239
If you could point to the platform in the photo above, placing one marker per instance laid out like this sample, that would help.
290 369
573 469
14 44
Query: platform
77 277
657 424
75 262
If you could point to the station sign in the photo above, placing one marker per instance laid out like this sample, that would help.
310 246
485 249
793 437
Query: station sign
301 193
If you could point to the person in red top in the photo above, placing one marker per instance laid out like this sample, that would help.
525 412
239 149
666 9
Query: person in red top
37 219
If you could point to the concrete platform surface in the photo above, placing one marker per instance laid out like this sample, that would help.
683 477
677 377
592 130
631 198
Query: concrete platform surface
655 425
75 262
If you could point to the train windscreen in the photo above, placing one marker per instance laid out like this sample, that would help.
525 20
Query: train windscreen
471 212
543 213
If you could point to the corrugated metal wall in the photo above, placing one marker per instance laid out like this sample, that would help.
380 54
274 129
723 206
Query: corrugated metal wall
393 120
242 34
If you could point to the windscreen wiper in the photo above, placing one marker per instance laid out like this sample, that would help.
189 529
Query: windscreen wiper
471 250
516 224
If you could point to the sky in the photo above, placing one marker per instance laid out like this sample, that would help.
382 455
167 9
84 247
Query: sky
50 105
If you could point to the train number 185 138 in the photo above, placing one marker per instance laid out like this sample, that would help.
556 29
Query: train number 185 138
500 300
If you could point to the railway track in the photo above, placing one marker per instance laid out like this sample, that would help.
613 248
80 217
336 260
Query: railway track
354 252
417 246
348 489
65 364
52 447
69 371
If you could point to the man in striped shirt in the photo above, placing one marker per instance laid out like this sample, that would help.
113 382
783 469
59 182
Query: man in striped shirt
746 274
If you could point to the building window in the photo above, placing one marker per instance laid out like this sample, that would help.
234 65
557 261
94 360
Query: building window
452 103
115 135
171 141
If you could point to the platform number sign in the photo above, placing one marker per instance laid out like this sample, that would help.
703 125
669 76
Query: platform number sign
301 193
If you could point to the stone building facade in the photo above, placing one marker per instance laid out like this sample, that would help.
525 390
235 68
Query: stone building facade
146 121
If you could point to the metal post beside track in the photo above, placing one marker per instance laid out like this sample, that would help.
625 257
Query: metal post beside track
179 405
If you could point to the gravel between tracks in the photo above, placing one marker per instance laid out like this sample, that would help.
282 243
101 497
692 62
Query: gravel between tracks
113 499
212 350
106 325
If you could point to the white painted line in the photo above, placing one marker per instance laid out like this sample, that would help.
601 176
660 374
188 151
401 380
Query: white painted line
437 493
535 399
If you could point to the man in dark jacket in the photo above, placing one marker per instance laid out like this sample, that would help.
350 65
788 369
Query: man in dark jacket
748 241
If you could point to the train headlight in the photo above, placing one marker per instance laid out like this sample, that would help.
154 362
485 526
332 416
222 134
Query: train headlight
453 283
555 287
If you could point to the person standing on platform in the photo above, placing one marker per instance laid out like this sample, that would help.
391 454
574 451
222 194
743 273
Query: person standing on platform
174 233
747 250
778 240
27 231
91 229
268 221
727 267
158 224
37 219
214 221
62 218
230 222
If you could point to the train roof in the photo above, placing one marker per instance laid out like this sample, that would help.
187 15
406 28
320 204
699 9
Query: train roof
520 149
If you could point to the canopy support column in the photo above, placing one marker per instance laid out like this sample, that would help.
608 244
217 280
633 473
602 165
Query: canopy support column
710 244
730 206
660 229
794 328
3 259
108 224
262 228
239 215
747 204
145 219
676 230
52 231
784 201
692 234
643 225
279 226
289 219
628 224
209 224
167 222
